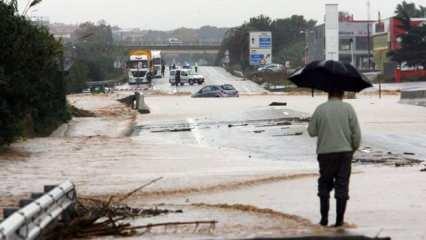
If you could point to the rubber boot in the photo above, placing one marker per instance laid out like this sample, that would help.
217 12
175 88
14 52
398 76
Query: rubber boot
340 211
325 206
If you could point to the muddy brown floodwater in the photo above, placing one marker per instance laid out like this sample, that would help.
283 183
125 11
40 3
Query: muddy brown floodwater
237 157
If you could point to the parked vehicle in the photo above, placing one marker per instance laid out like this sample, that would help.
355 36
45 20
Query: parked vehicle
187 76
195 78
271 68
184 76
226 90
139 67
175 41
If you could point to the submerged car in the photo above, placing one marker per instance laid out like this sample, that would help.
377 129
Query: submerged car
226 90
271 68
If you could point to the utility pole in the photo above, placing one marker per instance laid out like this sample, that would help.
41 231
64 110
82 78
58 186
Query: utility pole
369 34
352 52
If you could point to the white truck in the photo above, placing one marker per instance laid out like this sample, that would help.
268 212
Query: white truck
139 67
157 63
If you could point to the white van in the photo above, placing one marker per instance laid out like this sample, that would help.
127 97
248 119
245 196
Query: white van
184 76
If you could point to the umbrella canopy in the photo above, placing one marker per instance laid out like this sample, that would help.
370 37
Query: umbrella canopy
330 75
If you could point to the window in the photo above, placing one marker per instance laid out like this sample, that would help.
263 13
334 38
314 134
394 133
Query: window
137 64
228 87
362 43
206 89
156 61
345 44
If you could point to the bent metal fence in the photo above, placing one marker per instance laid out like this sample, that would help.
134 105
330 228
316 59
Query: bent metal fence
29 222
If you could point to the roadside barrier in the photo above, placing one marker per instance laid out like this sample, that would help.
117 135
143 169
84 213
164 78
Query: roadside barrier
131 89
419 93
38 213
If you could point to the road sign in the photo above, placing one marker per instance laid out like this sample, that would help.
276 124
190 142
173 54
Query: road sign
260 40
260 48
260 56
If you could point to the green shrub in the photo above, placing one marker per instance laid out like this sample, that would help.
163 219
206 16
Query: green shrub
32 85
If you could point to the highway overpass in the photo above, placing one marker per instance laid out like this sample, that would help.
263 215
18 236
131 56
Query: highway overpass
176 48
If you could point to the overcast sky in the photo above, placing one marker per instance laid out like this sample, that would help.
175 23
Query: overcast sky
171 14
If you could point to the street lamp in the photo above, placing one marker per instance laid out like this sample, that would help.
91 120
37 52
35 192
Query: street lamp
306 60
306 51
352 51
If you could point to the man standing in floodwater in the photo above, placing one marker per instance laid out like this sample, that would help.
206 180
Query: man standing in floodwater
336 125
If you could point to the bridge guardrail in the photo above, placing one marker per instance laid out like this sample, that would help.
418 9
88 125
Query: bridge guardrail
28 222
168 44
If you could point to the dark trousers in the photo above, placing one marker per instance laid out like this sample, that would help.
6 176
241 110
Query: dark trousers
335 171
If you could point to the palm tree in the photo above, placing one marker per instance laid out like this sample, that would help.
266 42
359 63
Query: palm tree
29 5
410 10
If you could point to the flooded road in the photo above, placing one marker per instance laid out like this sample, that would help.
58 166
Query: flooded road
251 222
212 76
269 133
227 151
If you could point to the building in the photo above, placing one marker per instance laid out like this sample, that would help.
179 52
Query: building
386 38
354 44
40 20
128 35
62 31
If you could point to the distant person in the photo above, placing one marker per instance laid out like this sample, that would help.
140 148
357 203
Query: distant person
174 66
196 67
163 70
336 125
177 77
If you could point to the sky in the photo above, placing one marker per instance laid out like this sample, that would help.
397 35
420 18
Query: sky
171 14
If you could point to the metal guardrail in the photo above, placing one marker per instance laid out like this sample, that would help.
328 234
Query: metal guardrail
28 222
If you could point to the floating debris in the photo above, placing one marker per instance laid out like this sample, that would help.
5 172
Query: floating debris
172 130
259 131
275 124
289 134
408 153
278 104
107 217
367 156
238 125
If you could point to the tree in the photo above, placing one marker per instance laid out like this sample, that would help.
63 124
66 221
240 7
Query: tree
413 47
260 23
413 41
294 54
287 39
406 9
94 53
32 88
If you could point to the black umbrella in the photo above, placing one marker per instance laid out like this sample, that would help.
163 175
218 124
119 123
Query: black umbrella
330 75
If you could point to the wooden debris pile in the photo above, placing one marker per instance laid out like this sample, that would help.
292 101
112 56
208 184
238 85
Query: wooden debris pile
112 217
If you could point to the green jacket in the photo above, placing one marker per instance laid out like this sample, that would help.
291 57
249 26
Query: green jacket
336 125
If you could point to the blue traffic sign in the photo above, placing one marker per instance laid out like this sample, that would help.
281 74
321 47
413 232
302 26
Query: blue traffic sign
255 59
265 42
